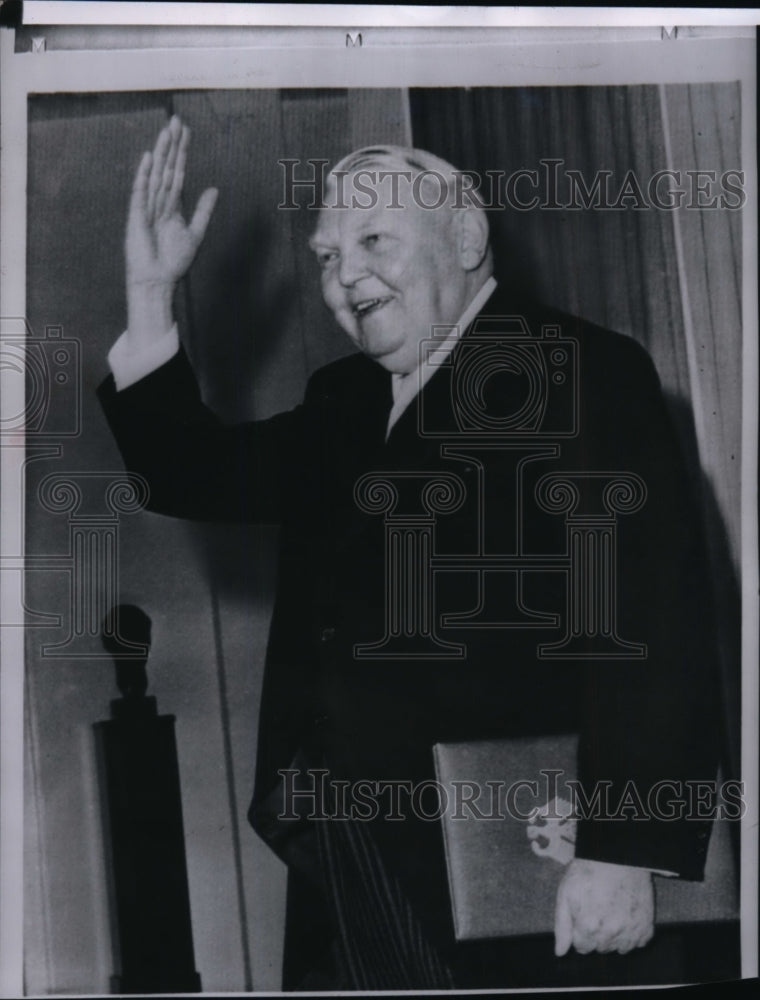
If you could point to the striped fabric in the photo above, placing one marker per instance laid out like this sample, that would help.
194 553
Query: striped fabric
381 944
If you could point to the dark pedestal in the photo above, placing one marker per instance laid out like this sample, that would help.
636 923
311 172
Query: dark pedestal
137 762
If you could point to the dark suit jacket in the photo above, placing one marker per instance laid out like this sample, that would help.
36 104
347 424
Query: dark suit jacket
644 719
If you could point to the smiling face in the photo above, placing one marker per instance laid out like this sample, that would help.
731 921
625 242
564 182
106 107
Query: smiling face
390 275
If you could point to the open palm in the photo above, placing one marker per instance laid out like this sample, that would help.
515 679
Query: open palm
159 244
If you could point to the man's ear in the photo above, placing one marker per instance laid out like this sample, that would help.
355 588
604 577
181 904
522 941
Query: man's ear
472 237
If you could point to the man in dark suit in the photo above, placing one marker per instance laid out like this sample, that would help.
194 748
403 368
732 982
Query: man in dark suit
469 438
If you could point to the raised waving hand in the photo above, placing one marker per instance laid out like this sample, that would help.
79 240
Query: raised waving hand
160 245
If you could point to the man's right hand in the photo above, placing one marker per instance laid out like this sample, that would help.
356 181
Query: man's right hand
160 245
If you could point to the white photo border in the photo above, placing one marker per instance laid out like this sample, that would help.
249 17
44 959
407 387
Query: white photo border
549 62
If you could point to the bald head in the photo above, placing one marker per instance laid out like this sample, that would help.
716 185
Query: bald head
400 250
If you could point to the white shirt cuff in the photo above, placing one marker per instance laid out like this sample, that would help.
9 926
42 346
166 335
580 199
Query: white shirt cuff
129 366
646 868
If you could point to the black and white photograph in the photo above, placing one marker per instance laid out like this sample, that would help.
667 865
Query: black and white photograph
379 508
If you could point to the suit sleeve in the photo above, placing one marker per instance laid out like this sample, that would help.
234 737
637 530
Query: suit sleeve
650 729
196 466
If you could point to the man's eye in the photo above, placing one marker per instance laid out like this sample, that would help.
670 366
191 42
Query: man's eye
372 240
326 257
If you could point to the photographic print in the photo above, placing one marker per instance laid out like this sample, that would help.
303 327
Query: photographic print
379 536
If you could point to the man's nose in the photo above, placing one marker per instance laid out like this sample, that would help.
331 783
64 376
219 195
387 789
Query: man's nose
352 269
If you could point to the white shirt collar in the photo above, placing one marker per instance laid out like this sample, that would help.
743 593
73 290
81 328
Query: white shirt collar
406 387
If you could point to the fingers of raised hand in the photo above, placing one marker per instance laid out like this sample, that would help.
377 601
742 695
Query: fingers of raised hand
202 214
160 154
174 191
139 199
166 181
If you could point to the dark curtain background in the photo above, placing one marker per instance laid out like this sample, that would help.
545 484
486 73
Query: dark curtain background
670 279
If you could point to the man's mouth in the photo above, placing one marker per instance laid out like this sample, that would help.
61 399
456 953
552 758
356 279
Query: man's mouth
367 306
